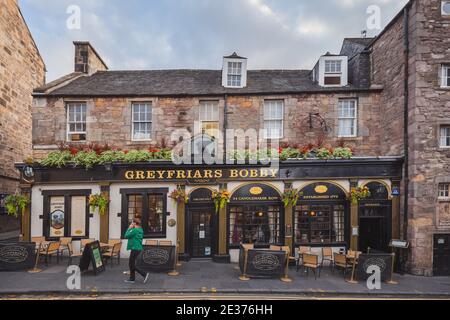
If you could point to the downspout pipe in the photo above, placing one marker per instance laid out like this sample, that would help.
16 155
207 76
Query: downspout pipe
225 127
405 124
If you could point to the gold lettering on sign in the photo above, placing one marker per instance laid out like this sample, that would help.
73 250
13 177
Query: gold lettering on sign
243 173
181 174
197 175
233 173
160 174
139 175
254 173
170 174
264 173
208 174
129 175
274 172
218 174
150 174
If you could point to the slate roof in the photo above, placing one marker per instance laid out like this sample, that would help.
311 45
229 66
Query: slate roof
190 83
353 46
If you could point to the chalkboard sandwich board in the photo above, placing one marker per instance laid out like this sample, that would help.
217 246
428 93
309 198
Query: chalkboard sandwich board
92 254
17 255
156 258
382 261
263 263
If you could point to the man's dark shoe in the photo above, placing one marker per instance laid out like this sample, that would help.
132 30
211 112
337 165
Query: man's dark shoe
147 276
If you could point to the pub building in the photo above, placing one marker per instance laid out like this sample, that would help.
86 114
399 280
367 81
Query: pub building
137 110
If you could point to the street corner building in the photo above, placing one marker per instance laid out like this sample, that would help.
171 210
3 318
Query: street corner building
375 115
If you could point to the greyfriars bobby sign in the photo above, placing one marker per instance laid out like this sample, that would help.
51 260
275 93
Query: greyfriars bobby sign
17 256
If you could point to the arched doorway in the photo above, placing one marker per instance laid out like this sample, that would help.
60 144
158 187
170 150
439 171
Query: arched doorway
255 215
321 216
375 219
201 224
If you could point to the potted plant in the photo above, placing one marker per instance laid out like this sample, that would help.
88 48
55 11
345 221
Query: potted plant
179 195
290 197
16 203
220 198
98 201
359 193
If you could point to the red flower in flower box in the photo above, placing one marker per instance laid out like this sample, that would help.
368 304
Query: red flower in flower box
74 151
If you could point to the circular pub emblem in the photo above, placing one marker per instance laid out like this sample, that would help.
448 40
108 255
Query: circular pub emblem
321 189
256 191
13 254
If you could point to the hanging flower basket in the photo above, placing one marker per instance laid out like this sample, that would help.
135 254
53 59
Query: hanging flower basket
220 199
179 196
359 193
98 201
16 204
290 197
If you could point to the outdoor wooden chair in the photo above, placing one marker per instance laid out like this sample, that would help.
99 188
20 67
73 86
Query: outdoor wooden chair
64 244
151 242
113 252
327 255
51 250
112 242
302 250
340 262
275 248
165 242
73 253
84 242
311 262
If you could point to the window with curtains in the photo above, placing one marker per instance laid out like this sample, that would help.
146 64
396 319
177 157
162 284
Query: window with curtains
348 118
234 74
149 205
209 117
141 121
254 224
273 119
76 122
444 137
319 223
444 190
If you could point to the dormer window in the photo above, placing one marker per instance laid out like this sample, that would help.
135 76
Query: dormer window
234 74
331 71
234 71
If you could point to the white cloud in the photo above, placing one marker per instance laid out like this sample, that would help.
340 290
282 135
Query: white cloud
312 27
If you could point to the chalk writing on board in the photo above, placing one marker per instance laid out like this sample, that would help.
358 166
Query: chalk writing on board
13 254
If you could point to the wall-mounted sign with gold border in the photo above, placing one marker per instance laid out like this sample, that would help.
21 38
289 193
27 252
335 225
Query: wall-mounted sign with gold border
322 191
255 192
171 223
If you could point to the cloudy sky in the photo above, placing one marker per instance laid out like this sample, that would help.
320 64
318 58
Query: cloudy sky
141 34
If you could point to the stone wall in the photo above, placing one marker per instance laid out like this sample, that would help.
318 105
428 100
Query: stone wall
430 108
21 70
109 120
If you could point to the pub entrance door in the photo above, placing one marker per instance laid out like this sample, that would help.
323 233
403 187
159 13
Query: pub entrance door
441 255
374 227
202 232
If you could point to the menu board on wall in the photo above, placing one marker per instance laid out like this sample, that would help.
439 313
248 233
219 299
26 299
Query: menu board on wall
57 216
78 216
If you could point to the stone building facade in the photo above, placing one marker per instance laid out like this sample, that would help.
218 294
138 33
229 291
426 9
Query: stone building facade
406 60
21 70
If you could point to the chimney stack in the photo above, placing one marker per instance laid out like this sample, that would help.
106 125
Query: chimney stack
87 60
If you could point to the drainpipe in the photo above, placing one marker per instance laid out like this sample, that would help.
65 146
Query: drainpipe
405 124
225 127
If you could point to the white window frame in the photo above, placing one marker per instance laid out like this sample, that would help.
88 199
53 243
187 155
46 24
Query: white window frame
267 134
445 76
443 189
334 63
133 121
355 119
68 122
211 115
234 69
443 3
442 137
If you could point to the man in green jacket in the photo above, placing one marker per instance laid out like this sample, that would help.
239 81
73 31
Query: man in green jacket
134 235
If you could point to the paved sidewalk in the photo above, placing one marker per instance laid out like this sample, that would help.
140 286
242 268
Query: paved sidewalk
10 235
206 276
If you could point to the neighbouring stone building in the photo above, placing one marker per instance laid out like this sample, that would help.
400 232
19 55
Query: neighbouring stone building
21 70
360 97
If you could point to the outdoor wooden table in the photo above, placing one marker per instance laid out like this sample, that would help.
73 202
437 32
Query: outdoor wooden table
105 247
